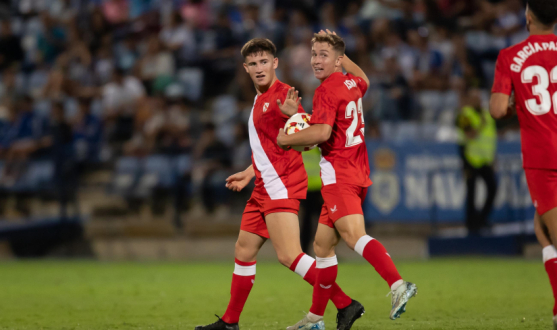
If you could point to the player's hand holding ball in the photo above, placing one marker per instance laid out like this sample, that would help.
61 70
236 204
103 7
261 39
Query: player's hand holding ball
296 123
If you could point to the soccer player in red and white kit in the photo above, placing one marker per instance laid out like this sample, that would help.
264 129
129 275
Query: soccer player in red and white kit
337 125
530 70
280 183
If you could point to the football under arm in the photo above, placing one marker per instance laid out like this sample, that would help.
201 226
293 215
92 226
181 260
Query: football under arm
498 105
353 68
315 134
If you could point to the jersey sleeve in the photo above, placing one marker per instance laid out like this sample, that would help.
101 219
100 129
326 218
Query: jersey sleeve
324 109
362 85
503 81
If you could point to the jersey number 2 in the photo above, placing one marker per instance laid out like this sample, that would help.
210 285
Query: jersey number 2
538 109
352 111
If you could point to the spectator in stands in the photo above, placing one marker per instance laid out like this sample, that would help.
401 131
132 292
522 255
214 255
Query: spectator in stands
87 133
179 37
156 66
120 99
212 166
394 99
116 11
52 38
221 57
10 90
22 138
58 86
10 44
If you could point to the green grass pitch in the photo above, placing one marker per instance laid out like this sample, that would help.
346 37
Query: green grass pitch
453 294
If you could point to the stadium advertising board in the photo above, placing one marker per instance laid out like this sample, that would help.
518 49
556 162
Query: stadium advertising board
415 182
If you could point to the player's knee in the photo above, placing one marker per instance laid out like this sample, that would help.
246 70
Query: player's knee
285 259
322 249
244 251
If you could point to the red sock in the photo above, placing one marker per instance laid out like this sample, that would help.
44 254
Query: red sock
550 262
304 266
376 254
327 269
242 282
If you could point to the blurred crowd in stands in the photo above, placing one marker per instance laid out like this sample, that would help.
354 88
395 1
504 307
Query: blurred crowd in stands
97 81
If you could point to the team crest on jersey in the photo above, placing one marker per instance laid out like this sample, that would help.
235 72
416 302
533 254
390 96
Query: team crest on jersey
265 106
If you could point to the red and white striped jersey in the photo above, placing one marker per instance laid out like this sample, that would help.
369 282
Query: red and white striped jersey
279 174
337 102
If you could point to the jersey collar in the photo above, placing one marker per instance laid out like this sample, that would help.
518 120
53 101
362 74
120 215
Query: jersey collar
333 75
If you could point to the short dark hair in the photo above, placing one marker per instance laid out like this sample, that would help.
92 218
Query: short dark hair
259 46
332 39
544 10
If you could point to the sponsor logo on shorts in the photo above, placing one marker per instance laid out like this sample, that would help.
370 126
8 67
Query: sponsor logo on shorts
536 204
325 287
334 209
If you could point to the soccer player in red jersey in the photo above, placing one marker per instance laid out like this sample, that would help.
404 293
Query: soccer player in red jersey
280 183
337 125
530 70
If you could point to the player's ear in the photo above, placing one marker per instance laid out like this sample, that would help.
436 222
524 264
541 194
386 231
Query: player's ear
246 67
339 60
528 15
275 63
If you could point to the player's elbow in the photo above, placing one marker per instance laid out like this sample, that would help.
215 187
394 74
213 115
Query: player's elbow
366 79
324 133
497 111
498 106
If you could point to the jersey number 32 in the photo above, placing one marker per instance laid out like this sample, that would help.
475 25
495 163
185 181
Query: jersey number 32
538 109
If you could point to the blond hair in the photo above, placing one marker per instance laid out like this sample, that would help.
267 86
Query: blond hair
332 39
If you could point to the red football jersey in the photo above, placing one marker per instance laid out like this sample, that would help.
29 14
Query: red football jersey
279 174
530 69
338 102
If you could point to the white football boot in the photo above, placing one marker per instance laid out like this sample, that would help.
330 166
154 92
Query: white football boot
306 324
400 298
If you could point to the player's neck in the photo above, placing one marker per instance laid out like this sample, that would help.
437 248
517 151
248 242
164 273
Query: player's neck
262 89
336 70
535 30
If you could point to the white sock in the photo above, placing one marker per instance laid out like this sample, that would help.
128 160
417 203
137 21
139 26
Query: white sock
549 253
314 318
396 285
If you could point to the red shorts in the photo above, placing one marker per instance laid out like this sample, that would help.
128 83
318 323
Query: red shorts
543 188
341 200
257 208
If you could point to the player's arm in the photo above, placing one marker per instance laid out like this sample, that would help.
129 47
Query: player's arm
240 180
315 134
292 103
349 66
502 88
499 105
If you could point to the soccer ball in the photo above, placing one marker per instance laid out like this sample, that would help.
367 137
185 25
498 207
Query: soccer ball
296 123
